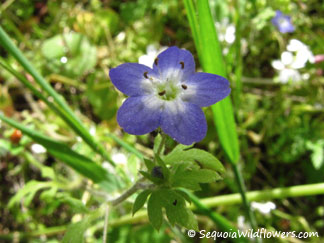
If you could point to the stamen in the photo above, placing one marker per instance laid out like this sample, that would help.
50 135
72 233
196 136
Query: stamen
145 75
184 86
156 61
162 93
182 65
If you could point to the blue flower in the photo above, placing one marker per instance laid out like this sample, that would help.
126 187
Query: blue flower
169 96
283 22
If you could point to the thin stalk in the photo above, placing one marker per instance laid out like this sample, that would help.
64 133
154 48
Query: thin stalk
138 185
225 200
233 199
125 145
16 236
161 145
105 232
79 127
242 189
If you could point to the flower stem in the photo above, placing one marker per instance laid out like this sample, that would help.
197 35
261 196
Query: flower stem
242 189
138 185
161 145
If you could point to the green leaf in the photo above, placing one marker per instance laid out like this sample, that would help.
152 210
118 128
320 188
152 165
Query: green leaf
176 210
28 192
49 194
211 59
76 204
218 219
75 232
5 146
181 153
47 172
79 53
165 170
154 210
182 216
188 176
62 152
102 99
148 176
140 200
149 164
157 142
317 155
184 195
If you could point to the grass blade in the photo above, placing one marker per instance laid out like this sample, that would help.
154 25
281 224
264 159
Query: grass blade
212 62
211 59
78 162
126 146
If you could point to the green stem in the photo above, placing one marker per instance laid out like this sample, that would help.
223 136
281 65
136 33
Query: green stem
16 236
105 231
232 199
242 189
78 127
225 200
161 145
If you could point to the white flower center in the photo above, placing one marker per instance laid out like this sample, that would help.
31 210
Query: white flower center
167 86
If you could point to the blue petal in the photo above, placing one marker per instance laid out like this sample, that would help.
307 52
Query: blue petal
140 115
129 78
206 89
174 62
184 122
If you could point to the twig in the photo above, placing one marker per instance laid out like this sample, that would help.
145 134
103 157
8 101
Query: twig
138 185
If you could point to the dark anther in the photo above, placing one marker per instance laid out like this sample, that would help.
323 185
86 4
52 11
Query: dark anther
157 172
156 61
182 65
145 75
175 202
162 93
184 86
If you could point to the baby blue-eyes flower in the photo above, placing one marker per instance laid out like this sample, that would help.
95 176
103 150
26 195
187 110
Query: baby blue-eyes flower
283 22
169 96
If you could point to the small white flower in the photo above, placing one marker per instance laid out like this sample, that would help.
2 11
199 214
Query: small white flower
287 58
119 158
230 34
302 53
92 130
38 149
121 36
226 31
264 208
296 57
295 45
64 59
151 53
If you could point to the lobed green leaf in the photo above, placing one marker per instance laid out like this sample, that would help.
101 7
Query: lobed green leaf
181 153
140 200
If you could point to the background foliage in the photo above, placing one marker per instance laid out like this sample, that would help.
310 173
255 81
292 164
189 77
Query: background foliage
279 125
